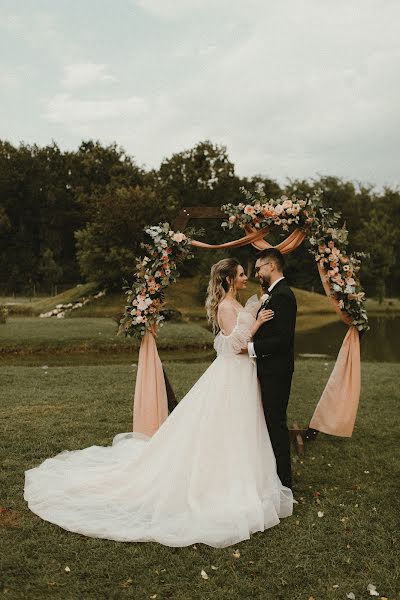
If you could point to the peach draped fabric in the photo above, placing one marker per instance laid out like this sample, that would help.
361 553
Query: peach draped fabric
292 242
150 407
251 238
337 408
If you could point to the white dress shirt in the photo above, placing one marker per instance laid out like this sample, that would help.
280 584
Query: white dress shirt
250 345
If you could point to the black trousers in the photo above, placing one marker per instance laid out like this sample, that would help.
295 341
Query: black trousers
275 391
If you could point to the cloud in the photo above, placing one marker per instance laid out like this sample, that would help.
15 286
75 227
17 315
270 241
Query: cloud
85 74
8 79
174 9
65 109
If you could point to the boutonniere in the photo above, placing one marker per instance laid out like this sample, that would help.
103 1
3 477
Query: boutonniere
265 298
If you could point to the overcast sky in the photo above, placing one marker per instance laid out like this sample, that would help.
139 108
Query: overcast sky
293 88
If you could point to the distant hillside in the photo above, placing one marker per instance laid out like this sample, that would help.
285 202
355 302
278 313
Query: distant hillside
183 296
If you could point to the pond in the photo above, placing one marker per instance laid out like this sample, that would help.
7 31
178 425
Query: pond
380 344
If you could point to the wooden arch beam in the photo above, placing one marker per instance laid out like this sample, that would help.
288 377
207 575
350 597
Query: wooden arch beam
196 212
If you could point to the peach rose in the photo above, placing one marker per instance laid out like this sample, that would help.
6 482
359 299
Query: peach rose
179 237
268 210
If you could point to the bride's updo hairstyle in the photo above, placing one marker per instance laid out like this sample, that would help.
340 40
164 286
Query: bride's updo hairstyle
222 276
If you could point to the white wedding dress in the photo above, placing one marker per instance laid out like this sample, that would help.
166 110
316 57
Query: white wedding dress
207 475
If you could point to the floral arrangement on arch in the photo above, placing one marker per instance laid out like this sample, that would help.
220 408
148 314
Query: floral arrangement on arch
154 272
327 241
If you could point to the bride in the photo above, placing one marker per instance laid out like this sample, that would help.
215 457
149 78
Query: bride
207 475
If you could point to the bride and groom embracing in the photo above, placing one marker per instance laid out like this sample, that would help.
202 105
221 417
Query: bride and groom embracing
218 469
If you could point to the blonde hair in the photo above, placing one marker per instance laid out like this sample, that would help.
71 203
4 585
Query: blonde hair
221 273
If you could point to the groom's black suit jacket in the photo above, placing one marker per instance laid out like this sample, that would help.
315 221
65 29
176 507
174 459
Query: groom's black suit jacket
274 340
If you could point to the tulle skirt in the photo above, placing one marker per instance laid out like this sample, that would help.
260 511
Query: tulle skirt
207 475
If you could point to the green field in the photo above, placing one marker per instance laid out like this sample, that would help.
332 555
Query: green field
46 410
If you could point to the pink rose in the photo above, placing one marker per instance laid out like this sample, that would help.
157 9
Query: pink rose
232 219
286 204
179 237
249 210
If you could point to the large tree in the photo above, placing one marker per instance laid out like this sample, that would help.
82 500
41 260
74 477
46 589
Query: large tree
110 241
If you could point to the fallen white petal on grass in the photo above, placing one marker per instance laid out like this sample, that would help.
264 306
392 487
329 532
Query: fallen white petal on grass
214 568
350 596
204 574
320 514
371 588
67 569
366 472
236 554
335 587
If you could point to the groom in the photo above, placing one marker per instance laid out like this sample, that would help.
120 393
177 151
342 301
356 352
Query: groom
273 347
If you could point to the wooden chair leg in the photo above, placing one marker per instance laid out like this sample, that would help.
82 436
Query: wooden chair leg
297 436
172 402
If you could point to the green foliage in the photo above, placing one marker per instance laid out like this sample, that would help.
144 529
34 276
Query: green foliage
44 196
108 245
3 314
378 237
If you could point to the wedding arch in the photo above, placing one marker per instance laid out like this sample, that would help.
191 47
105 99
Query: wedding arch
304 219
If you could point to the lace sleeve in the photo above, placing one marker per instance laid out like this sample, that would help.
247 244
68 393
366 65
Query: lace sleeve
241 334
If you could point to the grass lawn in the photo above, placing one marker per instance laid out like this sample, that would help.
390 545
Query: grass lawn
31 334
354 543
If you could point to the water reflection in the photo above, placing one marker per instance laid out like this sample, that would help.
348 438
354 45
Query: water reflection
380 344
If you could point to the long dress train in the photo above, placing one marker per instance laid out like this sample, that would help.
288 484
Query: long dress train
207 475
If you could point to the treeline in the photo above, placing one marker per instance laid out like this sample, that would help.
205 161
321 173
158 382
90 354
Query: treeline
67 217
